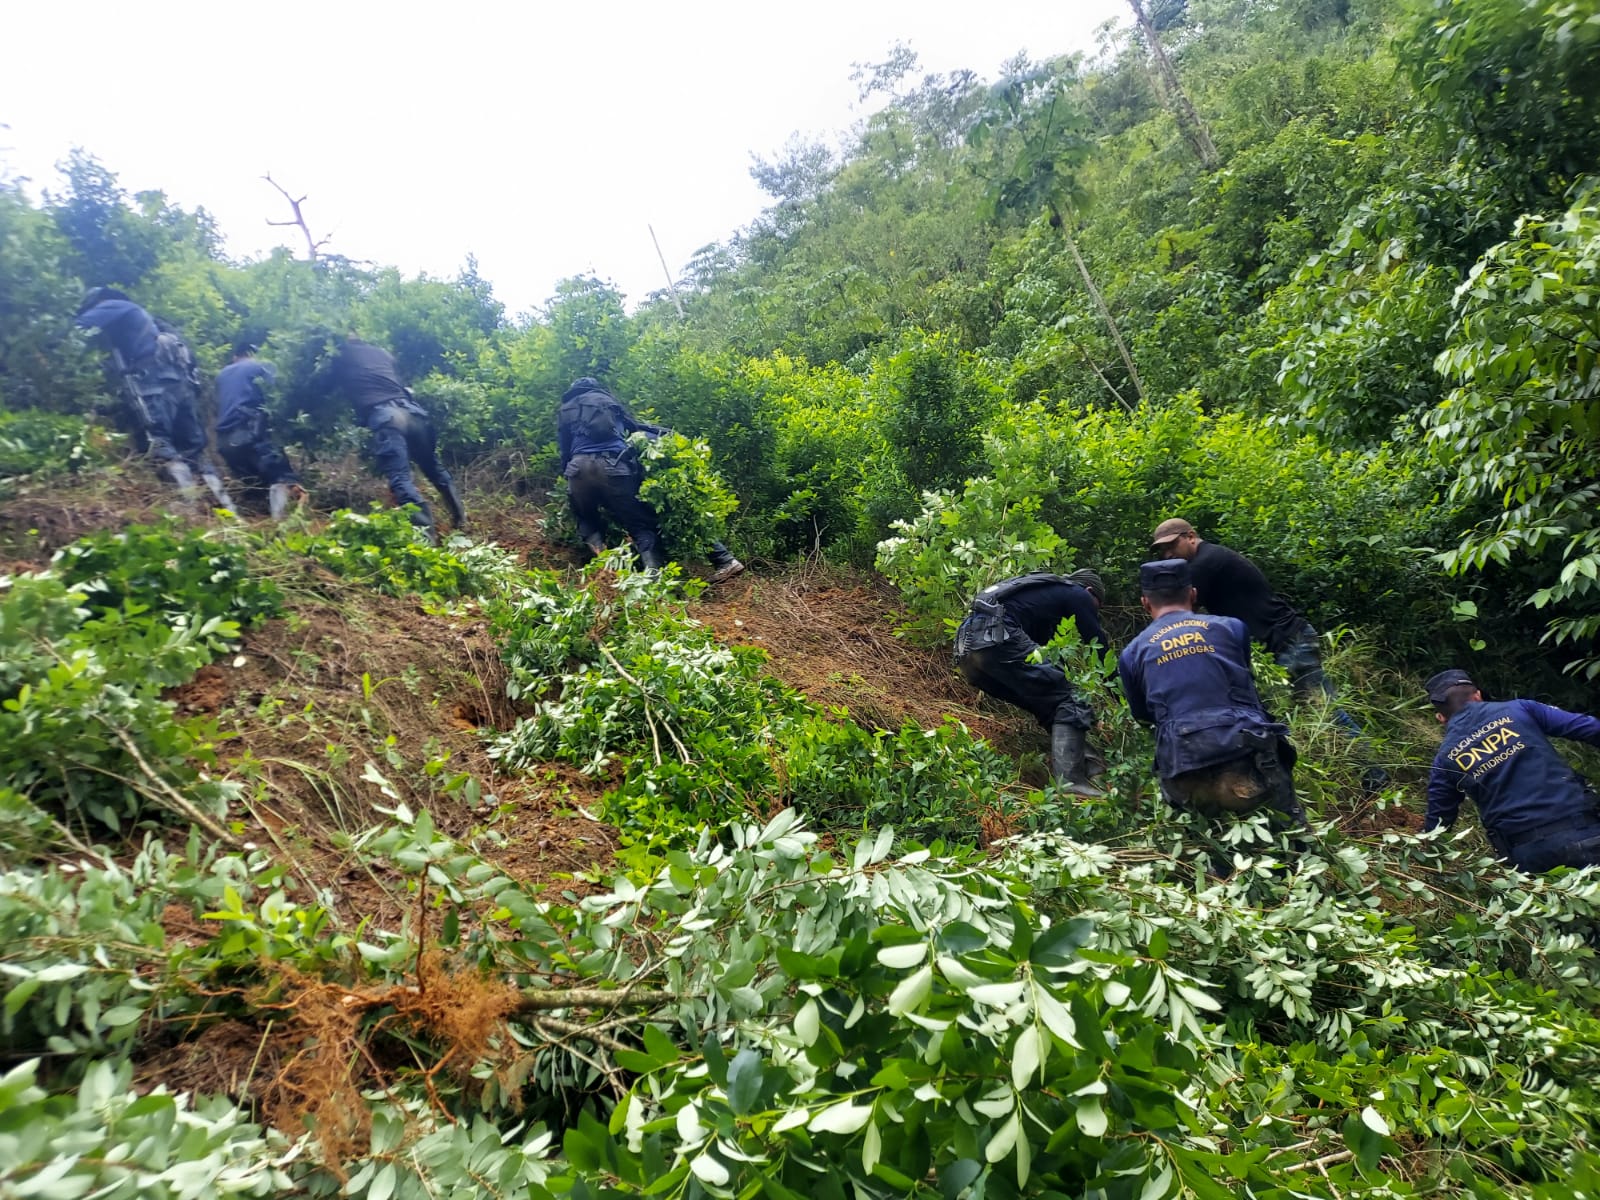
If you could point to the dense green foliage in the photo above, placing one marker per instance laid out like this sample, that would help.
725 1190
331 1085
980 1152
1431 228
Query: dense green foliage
1057 237
89 648
1341 316
1088 1009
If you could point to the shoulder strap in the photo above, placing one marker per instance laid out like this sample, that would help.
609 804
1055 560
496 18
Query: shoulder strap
996 593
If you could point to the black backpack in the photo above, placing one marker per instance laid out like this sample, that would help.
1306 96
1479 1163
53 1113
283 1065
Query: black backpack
592 416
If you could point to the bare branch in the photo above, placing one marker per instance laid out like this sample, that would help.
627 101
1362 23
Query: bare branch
312 244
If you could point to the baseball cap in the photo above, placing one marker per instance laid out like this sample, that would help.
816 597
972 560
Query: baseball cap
1170 530
1438 685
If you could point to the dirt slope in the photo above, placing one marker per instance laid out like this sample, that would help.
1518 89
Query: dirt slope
311 697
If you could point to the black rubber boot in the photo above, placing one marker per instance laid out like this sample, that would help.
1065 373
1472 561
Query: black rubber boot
458 510
1068 752
423 520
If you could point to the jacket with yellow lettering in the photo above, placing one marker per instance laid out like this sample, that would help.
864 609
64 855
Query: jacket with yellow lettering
1189 674
1499 753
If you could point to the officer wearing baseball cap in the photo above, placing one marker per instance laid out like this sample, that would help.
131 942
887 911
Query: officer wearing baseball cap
1230 584
1536 810
1007 622
1188 674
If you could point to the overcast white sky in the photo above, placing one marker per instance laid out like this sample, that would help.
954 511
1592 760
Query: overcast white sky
541 137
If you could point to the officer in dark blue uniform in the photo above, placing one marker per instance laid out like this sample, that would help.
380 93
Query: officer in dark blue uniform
1537 811
1189 674
603 474
160 385
402 431
1008 621
243 438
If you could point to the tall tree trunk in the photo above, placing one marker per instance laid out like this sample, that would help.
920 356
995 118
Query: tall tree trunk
1060 223
1189 123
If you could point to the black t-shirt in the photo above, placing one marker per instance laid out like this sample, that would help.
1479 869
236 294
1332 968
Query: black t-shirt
1040 608
367 376
1230 585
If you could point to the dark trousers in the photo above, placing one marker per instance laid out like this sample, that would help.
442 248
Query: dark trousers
598 484
170 426
251 454
403 434
1574 844
1002 670
1301 656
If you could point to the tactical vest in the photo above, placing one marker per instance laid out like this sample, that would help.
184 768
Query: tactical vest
174 359
592 418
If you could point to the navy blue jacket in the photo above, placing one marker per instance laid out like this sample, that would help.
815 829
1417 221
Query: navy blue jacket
1189 674
239 389
125 327
596 422
1039 609
1499 753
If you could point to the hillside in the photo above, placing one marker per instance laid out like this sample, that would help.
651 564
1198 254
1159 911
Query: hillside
340 861
406 886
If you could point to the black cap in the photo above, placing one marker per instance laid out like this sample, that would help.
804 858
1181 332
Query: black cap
1167 575
578 386
1090 582
1441 683
96 294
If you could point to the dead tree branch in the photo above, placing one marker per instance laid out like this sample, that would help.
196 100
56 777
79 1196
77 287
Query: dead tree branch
312 244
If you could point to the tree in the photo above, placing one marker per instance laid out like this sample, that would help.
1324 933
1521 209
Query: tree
1183 111
1036 137
1517 84
1522 423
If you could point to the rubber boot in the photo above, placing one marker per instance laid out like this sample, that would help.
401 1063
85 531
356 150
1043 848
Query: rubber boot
1068 750
278 501
423 520
180 475
219 493
458 510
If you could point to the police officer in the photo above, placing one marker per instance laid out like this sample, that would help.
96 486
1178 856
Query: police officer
1230 585
1536 810
243 438
1007 622
1189 674
161 386
604 474
402 431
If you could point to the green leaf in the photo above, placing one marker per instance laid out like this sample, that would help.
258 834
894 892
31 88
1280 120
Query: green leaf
911 992
843 1118
900 957
744 1081
1027 1056
1003 1140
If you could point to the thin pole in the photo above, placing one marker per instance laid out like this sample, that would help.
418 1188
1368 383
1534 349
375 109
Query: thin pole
671 286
